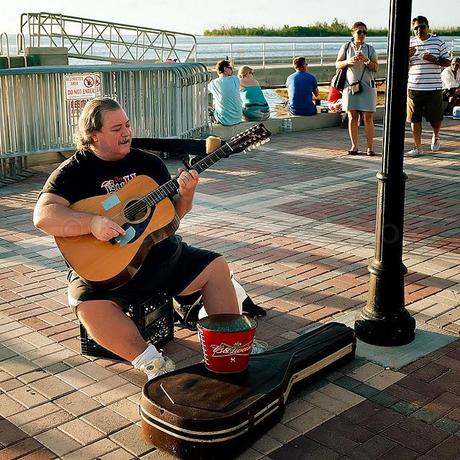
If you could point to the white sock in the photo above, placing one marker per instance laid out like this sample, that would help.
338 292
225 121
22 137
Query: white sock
148 354
240 293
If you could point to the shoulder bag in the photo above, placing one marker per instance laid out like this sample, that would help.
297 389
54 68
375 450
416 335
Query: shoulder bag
338 80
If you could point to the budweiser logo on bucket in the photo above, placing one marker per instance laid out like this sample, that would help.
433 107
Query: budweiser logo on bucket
225 349
226 341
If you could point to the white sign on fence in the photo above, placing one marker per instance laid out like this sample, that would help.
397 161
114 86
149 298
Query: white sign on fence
82 86
79 89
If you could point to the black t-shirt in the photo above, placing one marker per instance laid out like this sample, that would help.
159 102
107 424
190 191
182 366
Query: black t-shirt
85 175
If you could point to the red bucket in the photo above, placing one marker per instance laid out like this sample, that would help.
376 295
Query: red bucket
226 341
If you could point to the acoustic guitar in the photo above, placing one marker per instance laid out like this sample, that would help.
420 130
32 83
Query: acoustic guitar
143 209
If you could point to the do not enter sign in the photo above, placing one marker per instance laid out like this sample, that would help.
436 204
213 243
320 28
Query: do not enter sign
82 86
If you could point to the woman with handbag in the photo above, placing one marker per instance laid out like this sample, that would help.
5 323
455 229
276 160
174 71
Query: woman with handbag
359 94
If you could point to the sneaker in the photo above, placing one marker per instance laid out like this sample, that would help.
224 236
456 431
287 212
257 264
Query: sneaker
259 346
415 152
435 144
158 366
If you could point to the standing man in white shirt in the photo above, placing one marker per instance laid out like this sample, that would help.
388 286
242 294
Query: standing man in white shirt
428 54
451 85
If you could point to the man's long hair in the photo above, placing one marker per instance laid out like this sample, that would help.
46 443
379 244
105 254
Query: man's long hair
91 120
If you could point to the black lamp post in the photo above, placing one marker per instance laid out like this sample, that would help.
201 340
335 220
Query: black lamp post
384 320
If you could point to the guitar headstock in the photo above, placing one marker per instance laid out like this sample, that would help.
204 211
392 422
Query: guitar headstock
251 137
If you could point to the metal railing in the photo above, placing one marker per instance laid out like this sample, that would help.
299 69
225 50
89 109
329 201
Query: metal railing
106 41
271 54
281 53
8 52
40 106
455 46
102 41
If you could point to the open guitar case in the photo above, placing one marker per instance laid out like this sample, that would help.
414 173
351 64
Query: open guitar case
193 413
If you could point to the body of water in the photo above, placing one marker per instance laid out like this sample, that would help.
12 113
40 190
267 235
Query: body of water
254 51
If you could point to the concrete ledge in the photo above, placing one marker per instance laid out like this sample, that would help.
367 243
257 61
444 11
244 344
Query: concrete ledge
321 120
43 55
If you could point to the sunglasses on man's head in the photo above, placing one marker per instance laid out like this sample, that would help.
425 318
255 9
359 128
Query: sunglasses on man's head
361 32
421 26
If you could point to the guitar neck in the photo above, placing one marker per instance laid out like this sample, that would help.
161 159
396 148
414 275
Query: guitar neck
170 188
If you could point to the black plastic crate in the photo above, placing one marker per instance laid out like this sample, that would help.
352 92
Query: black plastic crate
153 318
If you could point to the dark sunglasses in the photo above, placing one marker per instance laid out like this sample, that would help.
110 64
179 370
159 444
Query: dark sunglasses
421 26
361 32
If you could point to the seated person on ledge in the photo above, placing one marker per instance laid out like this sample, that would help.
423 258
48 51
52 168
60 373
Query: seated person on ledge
451 85
225 91
255 107
301 86
104 162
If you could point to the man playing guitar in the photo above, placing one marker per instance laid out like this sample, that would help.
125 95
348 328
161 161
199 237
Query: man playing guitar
105 163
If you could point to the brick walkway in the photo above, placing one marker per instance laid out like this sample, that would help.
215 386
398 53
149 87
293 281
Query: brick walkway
295 219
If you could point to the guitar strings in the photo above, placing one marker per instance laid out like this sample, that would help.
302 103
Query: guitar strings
158 194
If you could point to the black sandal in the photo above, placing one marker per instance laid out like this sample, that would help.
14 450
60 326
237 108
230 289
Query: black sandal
251 309
186 310
353 152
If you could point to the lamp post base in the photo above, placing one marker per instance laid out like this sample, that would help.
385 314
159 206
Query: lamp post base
396 330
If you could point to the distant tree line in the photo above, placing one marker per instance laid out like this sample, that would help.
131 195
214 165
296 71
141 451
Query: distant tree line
317 29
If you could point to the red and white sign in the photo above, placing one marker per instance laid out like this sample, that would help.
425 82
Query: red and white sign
82 86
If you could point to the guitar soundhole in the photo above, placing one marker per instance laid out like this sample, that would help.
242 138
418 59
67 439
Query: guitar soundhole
136 211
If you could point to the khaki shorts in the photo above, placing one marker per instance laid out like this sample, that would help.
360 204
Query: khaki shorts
424 103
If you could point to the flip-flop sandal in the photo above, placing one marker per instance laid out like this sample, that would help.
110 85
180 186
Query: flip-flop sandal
353 152
370 153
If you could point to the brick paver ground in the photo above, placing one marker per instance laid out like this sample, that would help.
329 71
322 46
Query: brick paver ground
295 219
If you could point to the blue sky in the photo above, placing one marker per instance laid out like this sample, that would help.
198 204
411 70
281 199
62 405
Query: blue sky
193 16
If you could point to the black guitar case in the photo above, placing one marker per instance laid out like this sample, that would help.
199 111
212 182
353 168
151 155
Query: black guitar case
195 414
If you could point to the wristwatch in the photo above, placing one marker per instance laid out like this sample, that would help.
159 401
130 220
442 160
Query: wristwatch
367 62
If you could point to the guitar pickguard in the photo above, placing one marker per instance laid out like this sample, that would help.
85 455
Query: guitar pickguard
133 230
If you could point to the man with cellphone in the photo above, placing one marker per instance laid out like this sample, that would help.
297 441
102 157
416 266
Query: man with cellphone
428 54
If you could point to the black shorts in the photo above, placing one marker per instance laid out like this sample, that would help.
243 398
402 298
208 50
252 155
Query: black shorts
171 277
